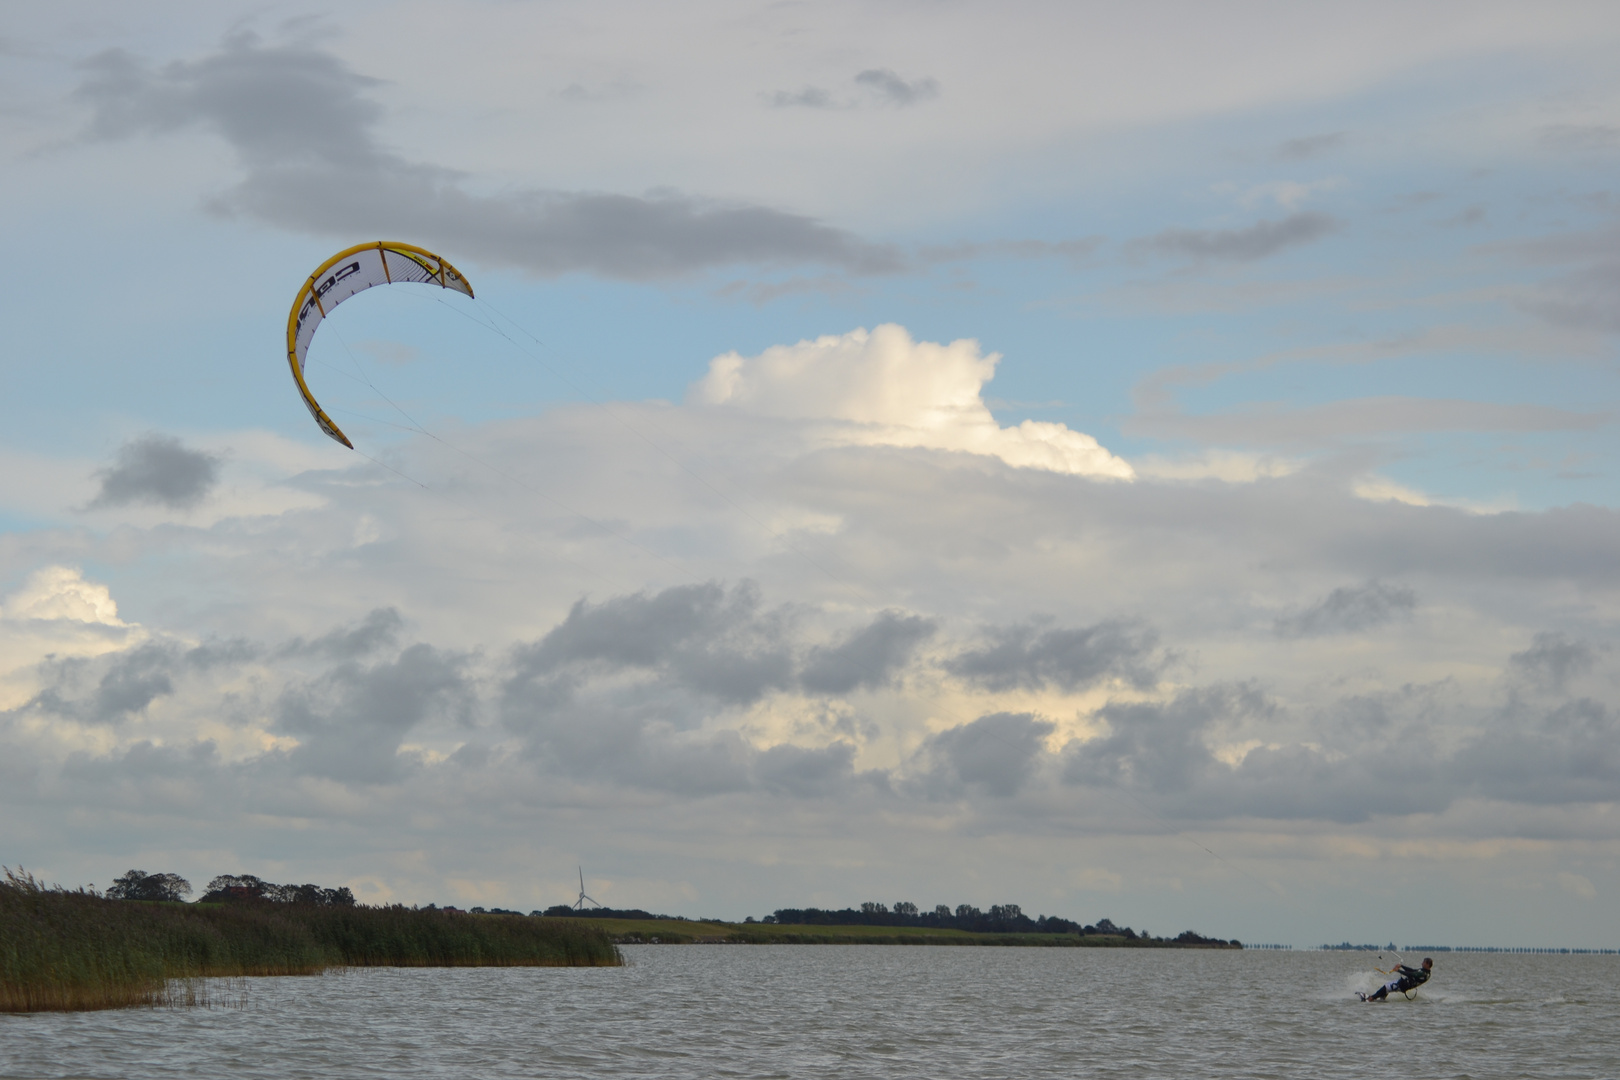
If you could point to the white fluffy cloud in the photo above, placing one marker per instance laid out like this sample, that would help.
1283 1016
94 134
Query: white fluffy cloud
56 612
881 388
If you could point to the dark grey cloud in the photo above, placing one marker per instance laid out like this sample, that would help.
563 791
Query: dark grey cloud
351 720
1025 657
1552 660
1378 756
1160 745
1569 754
1350 609
1161 752
157 470
806 771
701 638
113 687
1248 244
892 89
1294 781
379 629
106 690
622 693
868 658
1306 147
995 754
304 131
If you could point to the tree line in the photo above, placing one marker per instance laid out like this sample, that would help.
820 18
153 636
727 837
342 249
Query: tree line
226 888
1000 919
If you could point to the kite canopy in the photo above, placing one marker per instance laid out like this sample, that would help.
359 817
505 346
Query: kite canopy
350 271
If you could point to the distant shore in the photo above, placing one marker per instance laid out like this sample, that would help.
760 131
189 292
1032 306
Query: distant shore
684 932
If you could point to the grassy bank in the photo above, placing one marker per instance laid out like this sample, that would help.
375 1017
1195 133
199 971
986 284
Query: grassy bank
675 932
63 949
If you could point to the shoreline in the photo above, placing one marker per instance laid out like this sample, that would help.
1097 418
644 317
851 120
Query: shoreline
680 932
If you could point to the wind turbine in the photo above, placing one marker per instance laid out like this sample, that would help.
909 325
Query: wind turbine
579 905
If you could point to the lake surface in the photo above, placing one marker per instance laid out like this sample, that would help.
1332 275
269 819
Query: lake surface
867 1011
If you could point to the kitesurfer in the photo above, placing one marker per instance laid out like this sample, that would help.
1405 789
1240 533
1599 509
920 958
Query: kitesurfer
1406 978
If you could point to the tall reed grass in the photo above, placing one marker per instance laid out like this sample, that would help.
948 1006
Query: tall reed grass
72 949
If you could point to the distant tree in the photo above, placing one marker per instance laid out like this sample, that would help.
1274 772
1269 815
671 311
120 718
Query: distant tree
968 913
139 885
238 887
905 909
871 907
235 887
942 912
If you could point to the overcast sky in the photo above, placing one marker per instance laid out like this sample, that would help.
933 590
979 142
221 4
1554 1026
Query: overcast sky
1154 461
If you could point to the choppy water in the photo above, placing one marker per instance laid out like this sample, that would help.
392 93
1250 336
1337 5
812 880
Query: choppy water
868 1011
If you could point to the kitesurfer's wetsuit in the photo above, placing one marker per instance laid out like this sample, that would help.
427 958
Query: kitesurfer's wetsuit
1410 978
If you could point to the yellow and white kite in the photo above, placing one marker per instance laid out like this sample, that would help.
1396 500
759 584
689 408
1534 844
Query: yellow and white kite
350 271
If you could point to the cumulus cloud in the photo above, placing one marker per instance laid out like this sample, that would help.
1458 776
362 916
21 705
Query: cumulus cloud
806 771
995 754
1552 660
115 688
303 128
62 593
379 629
869 657
157 470
1026 657
56 614
501 700
1160 745
637 699
351 721
1248 244
1350 609
705 638
1568 754
886 389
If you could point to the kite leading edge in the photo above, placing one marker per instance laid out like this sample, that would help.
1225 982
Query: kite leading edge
350 271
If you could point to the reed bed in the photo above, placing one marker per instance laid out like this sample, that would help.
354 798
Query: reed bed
71 949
